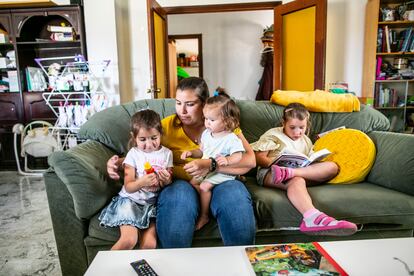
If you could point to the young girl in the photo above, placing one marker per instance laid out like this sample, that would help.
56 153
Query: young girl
292 135
147 167
218 143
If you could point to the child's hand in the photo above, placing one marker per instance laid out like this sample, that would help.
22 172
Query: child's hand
164 177
150 180
222 160
185 154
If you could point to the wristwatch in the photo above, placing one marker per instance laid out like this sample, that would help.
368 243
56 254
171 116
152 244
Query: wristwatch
213 165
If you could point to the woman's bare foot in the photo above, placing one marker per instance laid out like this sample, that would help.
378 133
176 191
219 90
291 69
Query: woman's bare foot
202 220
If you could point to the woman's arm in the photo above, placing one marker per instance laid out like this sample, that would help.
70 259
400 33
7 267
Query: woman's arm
262 159
114 166
247 162
200 167
133 184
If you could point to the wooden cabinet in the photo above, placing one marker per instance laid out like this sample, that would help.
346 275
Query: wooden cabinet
29 38
388 75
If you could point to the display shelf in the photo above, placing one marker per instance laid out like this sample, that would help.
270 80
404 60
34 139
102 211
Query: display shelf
389 53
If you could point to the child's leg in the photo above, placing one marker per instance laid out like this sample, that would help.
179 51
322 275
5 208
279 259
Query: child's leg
314 221
205 198
318 172
128 238
149 237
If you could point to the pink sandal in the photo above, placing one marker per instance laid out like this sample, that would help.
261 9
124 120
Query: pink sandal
326 225
281 174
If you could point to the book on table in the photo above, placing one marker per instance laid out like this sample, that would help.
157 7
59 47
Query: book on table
293 159
292 259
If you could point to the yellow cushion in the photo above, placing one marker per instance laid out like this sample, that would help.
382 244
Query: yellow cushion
318 100
352 150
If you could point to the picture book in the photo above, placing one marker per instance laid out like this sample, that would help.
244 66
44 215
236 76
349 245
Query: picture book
294 159
292 259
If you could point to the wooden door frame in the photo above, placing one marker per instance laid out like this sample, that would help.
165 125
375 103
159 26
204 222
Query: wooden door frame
223 7
153 6
200 48
320 39
189 10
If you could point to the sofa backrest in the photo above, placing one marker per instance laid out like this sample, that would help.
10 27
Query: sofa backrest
111 126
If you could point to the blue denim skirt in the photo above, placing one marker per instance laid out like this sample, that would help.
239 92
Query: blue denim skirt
124 211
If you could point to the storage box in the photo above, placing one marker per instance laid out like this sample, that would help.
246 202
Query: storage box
3 62
4 38
13 81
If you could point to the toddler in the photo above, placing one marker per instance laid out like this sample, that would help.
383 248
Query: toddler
220 144
147 168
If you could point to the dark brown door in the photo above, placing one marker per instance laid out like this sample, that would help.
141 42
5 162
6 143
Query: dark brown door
299 45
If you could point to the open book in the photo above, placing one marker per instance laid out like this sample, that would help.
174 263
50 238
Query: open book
294 159
293 259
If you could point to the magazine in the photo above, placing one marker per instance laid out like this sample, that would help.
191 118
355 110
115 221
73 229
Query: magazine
292 259
293 159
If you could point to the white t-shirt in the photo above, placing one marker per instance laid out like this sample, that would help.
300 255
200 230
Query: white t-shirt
159 160
224 145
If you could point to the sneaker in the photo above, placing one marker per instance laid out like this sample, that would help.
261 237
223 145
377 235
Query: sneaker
325 225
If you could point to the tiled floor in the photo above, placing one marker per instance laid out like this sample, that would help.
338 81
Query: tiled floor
27 244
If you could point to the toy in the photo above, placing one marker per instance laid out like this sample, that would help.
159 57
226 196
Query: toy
148 168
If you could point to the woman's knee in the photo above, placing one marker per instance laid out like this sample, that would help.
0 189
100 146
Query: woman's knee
179 193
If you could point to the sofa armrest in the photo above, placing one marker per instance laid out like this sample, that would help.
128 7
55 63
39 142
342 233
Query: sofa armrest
83 170
69 230
394 162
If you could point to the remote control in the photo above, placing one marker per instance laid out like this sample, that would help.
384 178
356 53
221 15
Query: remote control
143 268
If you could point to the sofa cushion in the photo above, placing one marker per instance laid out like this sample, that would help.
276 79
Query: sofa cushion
83 171
96 231
394 164
258 117
111 126
364 203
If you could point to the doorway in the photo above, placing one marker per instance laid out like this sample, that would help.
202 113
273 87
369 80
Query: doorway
225 67
189 54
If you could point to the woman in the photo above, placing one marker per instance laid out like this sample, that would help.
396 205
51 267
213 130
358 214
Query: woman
178 205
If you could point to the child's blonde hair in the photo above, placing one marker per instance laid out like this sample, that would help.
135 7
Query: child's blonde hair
297 111
229 111
147 119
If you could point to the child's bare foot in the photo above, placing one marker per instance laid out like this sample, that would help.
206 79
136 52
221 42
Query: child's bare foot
202 220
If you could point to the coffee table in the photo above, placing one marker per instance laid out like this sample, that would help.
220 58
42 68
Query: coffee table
359 257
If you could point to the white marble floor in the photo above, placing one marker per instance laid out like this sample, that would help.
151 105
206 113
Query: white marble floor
27 243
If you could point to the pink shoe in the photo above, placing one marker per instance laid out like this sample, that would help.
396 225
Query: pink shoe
281 174
325 225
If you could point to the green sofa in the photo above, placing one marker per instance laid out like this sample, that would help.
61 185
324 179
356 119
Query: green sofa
78 187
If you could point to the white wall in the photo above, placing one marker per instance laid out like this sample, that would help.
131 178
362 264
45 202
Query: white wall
101 36
231 47
100 30
344 39
345 42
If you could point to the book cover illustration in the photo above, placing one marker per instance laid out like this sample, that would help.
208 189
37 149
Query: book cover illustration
292 259
293 159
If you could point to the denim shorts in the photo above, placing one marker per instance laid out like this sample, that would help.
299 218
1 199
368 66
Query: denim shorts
124 211
261 174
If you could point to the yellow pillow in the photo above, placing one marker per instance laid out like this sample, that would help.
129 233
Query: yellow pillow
352 150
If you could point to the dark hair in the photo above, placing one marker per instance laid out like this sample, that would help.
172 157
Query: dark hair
147 119
229 111
198 85
297 111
